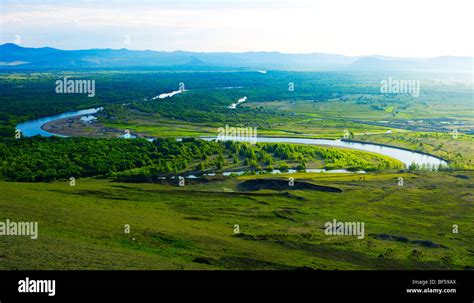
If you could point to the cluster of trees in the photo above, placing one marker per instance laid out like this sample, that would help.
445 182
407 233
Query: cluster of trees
114 111
47 159
211 106
269 156
430 167
29 95
25 96
332 158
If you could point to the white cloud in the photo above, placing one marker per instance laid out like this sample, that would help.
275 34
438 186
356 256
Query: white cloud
398 28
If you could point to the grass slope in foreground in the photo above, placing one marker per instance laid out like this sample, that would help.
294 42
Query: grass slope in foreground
192 227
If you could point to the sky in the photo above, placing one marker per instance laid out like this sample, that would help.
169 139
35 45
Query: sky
400 28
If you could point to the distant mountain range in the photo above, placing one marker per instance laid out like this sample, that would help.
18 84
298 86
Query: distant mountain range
15 57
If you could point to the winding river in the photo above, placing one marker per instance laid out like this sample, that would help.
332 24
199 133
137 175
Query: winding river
33 128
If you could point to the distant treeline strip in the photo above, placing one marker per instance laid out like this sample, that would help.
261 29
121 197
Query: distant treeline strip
48 159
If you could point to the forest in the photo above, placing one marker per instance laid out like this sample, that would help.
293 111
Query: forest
39 159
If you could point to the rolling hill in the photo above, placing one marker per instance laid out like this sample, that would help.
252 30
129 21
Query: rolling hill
13 56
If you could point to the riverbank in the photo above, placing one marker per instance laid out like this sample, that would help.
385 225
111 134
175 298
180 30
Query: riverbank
70 124
397 147
74 127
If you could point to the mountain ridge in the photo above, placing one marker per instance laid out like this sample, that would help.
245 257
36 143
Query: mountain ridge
48 57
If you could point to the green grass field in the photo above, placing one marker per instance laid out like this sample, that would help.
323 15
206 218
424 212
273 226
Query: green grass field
192 227
458 150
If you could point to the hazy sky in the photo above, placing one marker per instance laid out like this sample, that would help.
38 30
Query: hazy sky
415 28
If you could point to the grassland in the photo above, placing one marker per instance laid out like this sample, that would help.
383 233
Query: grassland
458 149
192 227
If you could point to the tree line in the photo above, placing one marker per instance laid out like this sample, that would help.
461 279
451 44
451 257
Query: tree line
48 159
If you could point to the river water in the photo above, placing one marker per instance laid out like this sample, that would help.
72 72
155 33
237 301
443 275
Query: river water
33 128
406 156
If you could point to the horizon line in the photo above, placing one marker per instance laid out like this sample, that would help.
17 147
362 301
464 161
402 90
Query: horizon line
234 52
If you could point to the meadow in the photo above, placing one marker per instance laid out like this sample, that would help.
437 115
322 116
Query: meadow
194 226
122 214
